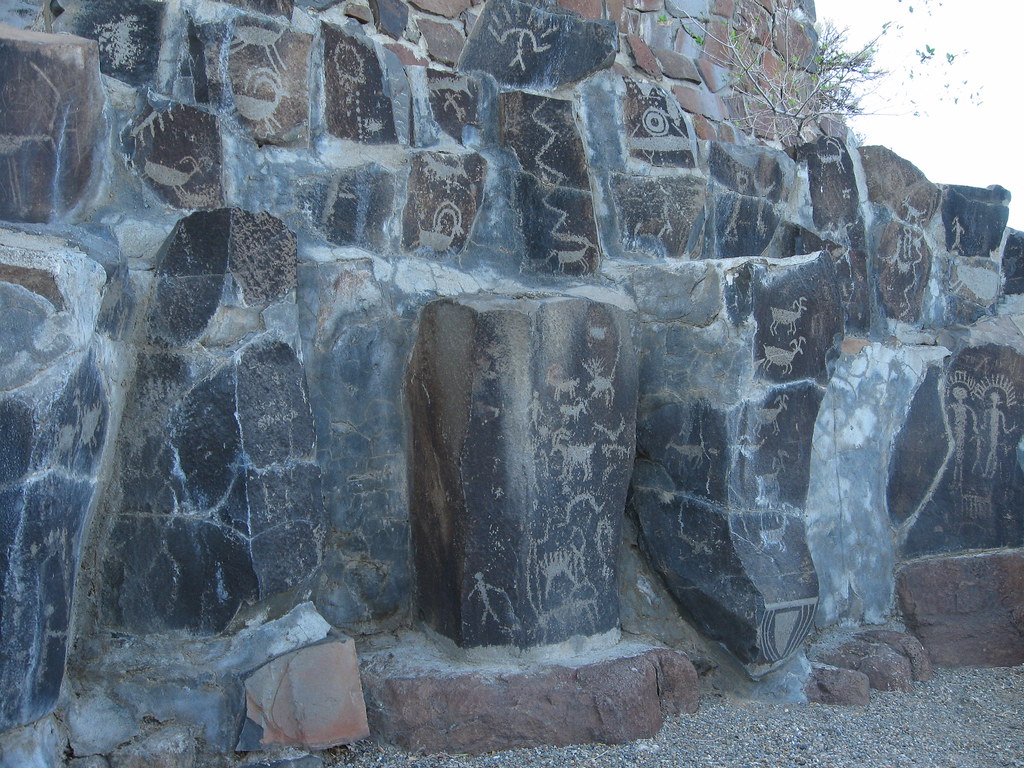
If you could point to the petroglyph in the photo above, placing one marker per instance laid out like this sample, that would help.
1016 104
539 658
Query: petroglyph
788 317
784 626
655 128
781 358
525 41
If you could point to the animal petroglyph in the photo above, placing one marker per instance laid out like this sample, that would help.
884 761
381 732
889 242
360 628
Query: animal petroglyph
782 358
788 317
769 416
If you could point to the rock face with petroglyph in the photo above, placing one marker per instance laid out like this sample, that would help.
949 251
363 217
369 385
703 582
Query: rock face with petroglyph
523 419
322 317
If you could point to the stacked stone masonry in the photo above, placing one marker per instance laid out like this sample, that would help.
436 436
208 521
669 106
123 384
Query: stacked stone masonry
498 339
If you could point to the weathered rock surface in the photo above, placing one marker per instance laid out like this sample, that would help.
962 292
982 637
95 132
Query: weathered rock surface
966 610
358 106
528 46
837 687
50 124
440 707
445 191
955 483
218 501
523 424
974 219
177 152
309 698
128 34
55 413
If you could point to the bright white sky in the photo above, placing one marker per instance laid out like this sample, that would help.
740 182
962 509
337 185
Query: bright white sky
969 142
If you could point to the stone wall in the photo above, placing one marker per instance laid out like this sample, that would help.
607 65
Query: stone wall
332 317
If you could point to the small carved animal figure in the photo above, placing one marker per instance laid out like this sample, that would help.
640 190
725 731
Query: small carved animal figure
782 358
788 317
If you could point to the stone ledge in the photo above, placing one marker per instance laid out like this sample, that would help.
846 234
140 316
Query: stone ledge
422 701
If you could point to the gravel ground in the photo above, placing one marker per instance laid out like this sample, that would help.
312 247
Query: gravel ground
963 718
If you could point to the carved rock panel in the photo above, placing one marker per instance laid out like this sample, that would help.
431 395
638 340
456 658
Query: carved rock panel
177 152
558 226
974 219
445 191
851 266
899 185
752 171
50 123
746 577
269 7
453 101
833 185
543 135
903 263
353 206
740 226
523 436
268 67
955 483
799 322
655 127
357 102
128 34
527 46
660 217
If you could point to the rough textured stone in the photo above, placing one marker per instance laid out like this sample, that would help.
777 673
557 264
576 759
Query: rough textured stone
966 610
955 483
903 265
128 34
834 686
268 7
974 219
833 186
50 124
528 46
542 134
358 105
746 577
170 747
907 645
268 68
851 265
1013 262
612 700
656 130
899 185
445 191
753 171
739 226
660 216
488 374
448 8
558 226
352 207
799 322
391 17
177 152
886 668
444 41
453 101
308 698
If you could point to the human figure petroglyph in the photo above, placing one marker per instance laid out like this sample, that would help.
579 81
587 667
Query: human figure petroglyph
964 421
996 426
521 37
958 231
782 358
483 592
788 317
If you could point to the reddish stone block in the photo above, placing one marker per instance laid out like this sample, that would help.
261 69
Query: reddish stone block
726 133
408 56
643 56
966 610
676 65
444 41
715 77
447 8
589 9
703 128
438 707
835 686
309 698
724 8
690 98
